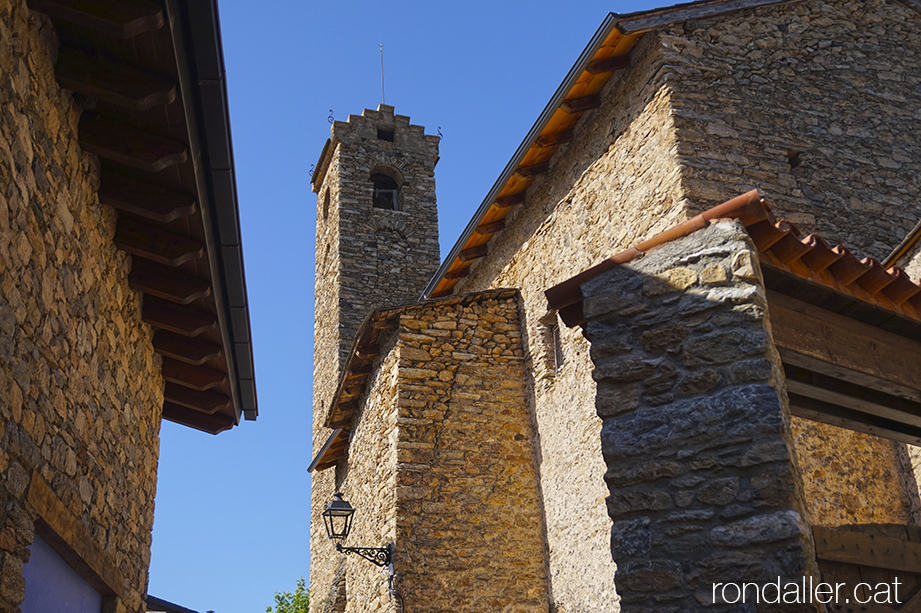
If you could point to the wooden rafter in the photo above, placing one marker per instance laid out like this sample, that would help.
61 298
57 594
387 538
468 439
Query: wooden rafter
188 350
200 378
609 64
458 273
203 402
143 199
154 243
843 417
111 18
472 253
555 138
167 283
533 170
173 317
195 419
876 550
850 395
579 105
511 200
127 145
491 227
843 348
367 352
119 84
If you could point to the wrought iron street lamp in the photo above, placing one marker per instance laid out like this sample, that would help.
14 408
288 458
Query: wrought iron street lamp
338 520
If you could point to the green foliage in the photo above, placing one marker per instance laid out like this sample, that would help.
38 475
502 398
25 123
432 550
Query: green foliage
286 602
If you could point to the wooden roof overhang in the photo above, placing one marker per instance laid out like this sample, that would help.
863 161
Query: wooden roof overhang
848 330
360 366
607 53
149 75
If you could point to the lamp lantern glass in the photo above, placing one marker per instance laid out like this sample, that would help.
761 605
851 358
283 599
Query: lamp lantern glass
338 518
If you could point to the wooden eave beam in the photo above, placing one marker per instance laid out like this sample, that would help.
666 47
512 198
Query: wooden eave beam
143 199
472 253
554 138
458 273
608 64
340 421
167 283
170 316
849 395
533 170
508 201
189 350
203 402
843 417
350 394
119 84
154 243
111 18
367 352
357 372
127 145
876 550
194 419
580 105
843 348
199 378
491 227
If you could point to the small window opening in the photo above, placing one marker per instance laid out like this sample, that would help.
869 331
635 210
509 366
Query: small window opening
385 134
793 157
325 203
386 192
558 357
552 344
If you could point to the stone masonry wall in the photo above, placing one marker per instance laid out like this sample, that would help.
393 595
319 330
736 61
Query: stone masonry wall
614 185
811 102
696 435
441 463
80 389
469 528
850 477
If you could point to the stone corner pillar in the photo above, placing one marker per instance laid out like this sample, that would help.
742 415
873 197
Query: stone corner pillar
695 435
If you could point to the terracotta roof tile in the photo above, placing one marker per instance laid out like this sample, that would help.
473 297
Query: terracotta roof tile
780 245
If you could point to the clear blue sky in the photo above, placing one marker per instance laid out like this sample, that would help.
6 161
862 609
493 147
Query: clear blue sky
232 510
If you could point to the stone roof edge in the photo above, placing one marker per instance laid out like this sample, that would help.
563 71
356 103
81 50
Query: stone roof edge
322 164
379 319
643 21
336 443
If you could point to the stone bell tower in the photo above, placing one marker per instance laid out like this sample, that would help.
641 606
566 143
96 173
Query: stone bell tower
377 231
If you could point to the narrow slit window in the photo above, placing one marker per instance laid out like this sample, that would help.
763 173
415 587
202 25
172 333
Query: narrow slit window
386 192
559 358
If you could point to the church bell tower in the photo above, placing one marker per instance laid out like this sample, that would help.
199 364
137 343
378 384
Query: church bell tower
377 232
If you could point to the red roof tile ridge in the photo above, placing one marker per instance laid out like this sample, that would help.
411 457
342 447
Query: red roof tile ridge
782 246
748 208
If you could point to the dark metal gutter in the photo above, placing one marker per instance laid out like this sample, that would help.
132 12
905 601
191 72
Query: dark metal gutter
555 101
200 62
